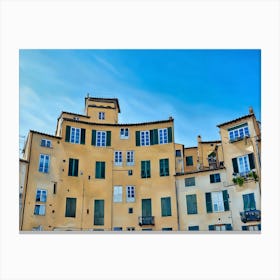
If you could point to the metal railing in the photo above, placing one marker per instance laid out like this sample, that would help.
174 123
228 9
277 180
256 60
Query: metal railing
146 220
250 215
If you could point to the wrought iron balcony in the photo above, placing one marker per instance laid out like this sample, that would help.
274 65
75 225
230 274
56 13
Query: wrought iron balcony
250 215
146 220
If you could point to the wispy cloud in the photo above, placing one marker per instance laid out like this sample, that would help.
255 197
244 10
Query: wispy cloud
107 65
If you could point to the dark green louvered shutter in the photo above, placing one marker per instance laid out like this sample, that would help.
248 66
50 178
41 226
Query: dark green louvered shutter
70 210
251 161
211 227
170 134
70 167
228 227
212 180
99 212
259 227
166 167
76 167
191 204
108 139
154 136
146 207
67 135
165 206
83 136
225 197
102 169
252 201
208 199
235 165
244 228
161 167
93 137
137 137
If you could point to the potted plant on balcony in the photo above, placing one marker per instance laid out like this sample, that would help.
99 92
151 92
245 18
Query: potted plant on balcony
238 180
253 175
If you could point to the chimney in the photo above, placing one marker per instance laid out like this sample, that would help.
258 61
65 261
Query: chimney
251 111
198 139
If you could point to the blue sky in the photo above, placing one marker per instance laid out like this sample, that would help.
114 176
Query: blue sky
198 88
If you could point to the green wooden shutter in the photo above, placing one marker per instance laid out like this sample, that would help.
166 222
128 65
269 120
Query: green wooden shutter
70 167
161 167
93 137
148 168
225 197
211 227
67 136
235 165
251 161
191 204
76 167
252 201
97 170
142 169
212 180
208 199
70 210
166 167
99 212
102 169
259 227
169 134
246 202
83 136
108 139
154 136
146 207
165 206
228 227
137 137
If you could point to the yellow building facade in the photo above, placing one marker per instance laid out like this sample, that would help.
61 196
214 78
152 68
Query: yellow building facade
95 174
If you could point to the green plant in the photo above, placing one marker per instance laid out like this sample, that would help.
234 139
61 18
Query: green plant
238 180
253 175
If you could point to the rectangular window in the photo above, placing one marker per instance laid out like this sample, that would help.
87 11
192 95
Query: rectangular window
98 212
54 187
118 158
101 138
162 136
46 143
215 178
252 227
243 164
164 167
130 194
145 169
145 138
193 228
249 202
101 116
100 170
189 160
70 210
75 135
178 153
73 168
41 195
191 204
44 162
165 206
217 202
130 158
167 229
238 132
124 134
117 193
189 182
130 210
40 209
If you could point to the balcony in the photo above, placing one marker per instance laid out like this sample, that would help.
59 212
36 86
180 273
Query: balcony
146 220
250 216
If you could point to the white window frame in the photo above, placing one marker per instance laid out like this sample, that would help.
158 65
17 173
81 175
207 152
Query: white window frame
243 165
101 138
75 135
42 209
124 133
45 163
239 133
117 194
129 158
101 115
130 194
46 143
145 138
217 202
163 136
118 159
41 195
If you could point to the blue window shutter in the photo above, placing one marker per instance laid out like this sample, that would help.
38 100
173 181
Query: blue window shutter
228 227
235 165
108 139
169 134
93 137
137 137
208 199
226 202
211 227
251 161
67 136
83 136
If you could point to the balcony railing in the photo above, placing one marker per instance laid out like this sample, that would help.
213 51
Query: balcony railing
250 216
146 220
